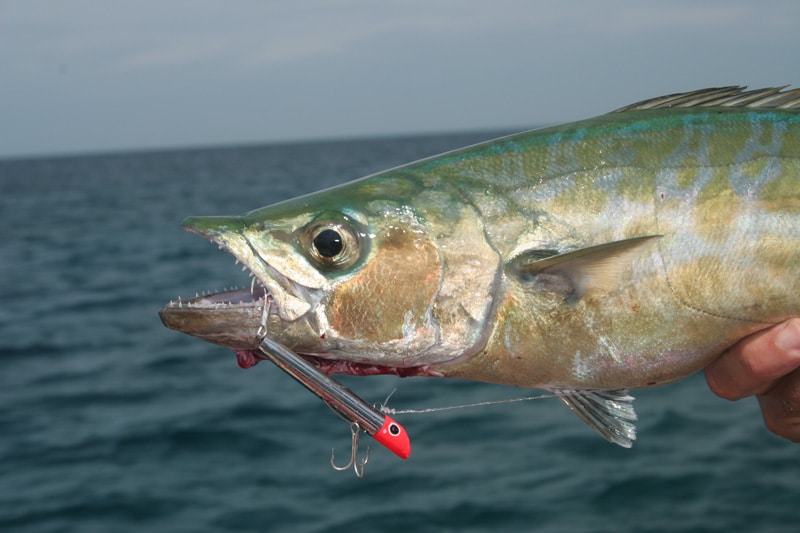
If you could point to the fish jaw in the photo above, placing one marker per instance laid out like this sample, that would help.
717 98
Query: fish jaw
229 318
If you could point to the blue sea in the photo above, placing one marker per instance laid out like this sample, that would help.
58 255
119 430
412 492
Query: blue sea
111 423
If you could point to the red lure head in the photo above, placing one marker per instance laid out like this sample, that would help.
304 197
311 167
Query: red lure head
394 437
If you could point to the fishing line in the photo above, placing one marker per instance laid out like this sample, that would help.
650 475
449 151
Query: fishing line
391 411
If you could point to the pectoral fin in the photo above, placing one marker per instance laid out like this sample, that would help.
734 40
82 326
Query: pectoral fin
594 269
609 412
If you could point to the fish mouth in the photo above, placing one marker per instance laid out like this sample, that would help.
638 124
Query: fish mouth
239 317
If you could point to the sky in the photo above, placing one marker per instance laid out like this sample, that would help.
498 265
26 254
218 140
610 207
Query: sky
86 76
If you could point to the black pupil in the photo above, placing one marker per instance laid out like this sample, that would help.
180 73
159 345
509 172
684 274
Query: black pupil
328 243
394 430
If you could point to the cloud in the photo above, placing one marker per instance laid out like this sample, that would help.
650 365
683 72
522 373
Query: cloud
177 51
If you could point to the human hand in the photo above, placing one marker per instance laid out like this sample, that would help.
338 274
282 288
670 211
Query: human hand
767 365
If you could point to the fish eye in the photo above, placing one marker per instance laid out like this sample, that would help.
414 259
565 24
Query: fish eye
328 243
332 244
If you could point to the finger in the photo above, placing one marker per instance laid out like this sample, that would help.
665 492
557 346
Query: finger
753 364
781 407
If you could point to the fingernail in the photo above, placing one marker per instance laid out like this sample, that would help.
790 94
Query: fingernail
788 338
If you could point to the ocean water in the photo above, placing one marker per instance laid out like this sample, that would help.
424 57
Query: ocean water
110 422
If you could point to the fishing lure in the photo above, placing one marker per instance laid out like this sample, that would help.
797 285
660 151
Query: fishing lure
343 401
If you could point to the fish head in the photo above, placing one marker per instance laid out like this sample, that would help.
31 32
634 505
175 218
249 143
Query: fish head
363 278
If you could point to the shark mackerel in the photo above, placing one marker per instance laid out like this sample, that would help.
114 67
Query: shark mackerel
623 251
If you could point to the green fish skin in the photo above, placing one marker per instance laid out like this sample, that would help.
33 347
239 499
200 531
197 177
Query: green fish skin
623 251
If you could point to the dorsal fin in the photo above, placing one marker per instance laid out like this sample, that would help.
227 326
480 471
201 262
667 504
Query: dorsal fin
733 96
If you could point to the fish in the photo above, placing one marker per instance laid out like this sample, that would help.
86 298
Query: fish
588 259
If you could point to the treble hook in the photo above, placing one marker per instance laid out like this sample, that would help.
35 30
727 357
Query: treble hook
358 465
